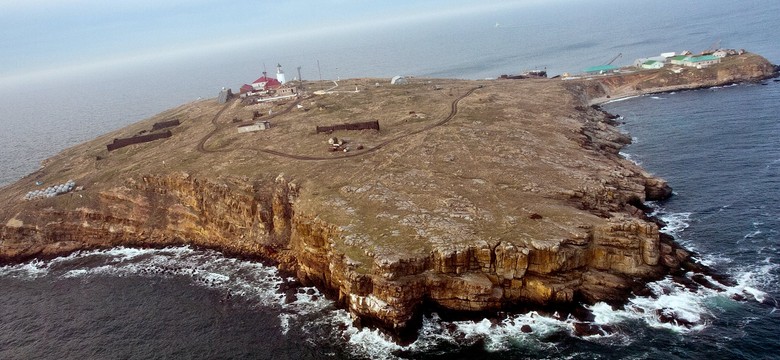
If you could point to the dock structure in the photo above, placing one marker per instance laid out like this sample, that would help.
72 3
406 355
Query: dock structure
368 125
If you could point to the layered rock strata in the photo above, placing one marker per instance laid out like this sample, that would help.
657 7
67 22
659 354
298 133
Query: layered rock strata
518 197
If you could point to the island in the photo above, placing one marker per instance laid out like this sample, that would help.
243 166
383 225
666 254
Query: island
467 196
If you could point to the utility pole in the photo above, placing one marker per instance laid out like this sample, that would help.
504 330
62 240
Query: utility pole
320 72
300 79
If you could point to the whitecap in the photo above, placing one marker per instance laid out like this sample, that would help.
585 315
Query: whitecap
630 158
256 282
75 273
284 322
711 259
29 270
752 234
622 99
750 279
306 303
216 278
676 223
363 342
673 307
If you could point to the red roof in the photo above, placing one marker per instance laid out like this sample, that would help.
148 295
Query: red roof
270 83
246 88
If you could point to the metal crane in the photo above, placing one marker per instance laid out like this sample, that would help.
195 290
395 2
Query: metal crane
614 58
714 47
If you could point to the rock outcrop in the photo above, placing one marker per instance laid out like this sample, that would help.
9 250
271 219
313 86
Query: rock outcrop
732 69
511 200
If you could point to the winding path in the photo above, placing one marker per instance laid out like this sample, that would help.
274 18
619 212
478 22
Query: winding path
202 143
453 112
217 127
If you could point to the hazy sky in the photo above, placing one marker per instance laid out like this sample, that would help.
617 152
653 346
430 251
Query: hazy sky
39 36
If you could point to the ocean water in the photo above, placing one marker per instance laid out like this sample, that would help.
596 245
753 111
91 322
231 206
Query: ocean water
718 148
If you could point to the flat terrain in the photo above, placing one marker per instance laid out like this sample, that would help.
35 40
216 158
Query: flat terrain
474 195
454 161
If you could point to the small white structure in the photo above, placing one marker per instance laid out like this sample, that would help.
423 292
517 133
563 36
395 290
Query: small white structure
668 54
260 125
280 74
641 61
224 95
398 80
274 98
720 53
287 90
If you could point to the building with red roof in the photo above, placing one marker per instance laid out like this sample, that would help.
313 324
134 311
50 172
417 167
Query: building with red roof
263 83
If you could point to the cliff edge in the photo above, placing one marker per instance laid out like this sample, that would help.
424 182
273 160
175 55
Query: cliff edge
472 196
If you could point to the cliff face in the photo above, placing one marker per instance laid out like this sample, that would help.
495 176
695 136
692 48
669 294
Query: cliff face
258 218
732 69
240 218
512 194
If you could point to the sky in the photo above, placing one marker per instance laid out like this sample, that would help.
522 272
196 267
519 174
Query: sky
50 36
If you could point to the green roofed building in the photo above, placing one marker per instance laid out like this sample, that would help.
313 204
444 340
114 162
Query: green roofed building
701 61
601 69
678 60
652 64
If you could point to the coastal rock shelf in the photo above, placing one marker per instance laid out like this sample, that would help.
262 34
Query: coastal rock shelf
474 196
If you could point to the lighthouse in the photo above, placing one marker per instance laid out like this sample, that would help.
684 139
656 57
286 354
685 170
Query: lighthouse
280 74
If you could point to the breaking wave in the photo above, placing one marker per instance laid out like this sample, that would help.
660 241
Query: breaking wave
671 307
630 158
249 280
622 99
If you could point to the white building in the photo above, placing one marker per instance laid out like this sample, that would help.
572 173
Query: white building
280 74
260 125
642 61
398 80
701 61
720 53
652 64
678 59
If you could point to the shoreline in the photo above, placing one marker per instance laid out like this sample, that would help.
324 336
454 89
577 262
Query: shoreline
674 88
731 75
582 237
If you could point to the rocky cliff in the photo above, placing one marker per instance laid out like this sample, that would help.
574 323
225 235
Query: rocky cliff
475 196
732 69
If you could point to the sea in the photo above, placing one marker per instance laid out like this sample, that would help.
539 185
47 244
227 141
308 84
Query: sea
719 149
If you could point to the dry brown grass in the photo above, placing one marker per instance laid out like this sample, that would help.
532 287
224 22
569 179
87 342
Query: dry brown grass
508 154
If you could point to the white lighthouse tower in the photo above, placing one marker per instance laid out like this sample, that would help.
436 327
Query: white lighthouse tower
280 74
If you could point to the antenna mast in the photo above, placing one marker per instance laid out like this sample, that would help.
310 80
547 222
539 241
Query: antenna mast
319 71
